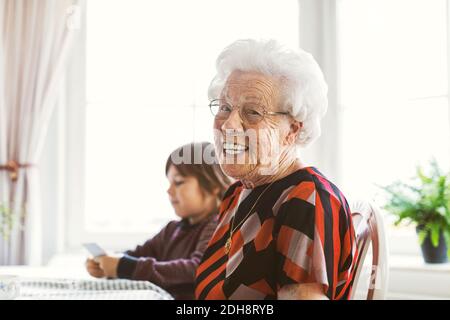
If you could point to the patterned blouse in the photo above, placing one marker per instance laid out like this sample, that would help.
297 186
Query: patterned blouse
300 231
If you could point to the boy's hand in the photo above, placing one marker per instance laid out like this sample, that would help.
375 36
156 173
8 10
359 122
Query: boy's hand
108 265
93 268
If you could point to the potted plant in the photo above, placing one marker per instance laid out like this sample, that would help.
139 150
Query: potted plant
425 202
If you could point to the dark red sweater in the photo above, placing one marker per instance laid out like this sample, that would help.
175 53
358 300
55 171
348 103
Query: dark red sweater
171 257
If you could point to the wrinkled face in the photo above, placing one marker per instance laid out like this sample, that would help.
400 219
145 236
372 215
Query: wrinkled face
186 196
245 148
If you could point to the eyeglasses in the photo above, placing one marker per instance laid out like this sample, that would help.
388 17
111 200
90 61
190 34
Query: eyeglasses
251 113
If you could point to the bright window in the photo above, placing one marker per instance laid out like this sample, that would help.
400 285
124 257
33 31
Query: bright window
393 90
148 66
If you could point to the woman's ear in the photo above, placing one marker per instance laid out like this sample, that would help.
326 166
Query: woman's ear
294 130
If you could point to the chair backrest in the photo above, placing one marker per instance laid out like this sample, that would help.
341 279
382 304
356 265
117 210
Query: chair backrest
369 230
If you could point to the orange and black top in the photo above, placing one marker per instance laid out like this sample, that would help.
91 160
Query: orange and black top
300 231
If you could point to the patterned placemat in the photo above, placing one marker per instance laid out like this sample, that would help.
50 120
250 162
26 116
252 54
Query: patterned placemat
96 289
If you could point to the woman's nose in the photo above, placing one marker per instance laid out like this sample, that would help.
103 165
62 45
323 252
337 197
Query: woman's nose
170 190
234 121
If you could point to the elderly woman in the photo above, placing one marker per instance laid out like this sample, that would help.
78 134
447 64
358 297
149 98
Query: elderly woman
285 231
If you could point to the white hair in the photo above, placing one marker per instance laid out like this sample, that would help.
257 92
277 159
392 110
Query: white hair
304 89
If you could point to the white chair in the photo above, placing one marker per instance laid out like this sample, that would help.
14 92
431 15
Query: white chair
369 230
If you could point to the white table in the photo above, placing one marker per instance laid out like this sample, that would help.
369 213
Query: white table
74 283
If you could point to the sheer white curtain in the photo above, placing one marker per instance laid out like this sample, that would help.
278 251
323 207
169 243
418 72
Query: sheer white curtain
318 35
34 39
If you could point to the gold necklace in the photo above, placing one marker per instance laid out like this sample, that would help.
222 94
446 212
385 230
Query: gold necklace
232 230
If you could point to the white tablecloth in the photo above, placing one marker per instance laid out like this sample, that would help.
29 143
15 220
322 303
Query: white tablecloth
48 283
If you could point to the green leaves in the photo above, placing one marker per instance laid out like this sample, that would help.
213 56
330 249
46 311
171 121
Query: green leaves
435 229
422 234
447 240
423 177
10 219
6 221
424 201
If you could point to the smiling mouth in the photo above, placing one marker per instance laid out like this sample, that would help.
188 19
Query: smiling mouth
234 148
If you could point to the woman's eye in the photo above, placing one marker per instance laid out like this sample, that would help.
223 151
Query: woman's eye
178 183
252 112
225 108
